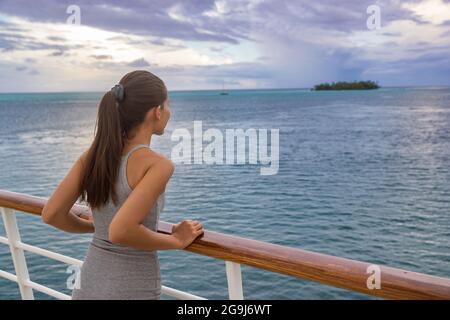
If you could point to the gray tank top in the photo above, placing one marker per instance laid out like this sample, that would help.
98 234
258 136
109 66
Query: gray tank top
113 271
104 215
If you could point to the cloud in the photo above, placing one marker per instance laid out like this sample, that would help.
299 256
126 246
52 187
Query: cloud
56 53
195 44
101 56
430 11
29 71
55 38
180 20
139 63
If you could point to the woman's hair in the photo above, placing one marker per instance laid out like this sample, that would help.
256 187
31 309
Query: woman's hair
121 109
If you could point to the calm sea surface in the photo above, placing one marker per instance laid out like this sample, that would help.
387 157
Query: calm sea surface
363 175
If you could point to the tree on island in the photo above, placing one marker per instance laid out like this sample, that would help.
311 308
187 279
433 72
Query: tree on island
342 85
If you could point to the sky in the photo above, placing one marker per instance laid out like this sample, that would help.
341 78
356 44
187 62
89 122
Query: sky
202 44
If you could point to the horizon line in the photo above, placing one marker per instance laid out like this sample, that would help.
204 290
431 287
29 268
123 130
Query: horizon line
228 90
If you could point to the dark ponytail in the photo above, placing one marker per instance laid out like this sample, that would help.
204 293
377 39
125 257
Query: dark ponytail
116 118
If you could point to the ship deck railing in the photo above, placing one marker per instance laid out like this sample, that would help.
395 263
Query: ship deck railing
334 271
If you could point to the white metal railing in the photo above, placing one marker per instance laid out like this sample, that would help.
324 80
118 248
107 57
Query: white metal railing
26 286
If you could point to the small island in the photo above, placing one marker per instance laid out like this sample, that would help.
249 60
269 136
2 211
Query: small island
342 85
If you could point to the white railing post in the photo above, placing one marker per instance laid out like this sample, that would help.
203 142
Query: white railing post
17 254
234 278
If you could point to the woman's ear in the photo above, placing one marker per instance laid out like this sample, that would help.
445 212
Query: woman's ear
158 112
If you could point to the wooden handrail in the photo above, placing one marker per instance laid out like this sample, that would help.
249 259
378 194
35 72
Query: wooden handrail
326 269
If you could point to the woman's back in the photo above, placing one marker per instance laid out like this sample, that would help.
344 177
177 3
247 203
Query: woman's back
114 271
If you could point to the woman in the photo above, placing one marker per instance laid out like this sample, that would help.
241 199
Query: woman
123 181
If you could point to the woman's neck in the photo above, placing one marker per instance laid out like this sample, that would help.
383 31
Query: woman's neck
143 138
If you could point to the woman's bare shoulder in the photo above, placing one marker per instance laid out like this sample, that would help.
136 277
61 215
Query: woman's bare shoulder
149 157
83 157
142 160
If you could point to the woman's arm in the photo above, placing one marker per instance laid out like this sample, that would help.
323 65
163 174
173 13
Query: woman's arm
56 211
126 227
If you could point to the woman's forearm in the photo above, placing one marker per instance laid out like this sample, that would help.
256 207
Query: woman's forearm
140 237
71 223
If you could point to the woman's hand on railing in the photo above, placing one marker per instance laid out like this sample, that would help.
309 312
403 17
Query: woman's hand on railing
187 231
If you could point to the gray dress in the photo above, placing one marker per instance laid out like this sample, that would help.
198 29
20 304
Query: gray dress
112 271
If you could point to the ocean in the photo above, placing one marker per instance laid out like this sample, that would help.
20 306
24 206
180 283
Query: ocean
362 175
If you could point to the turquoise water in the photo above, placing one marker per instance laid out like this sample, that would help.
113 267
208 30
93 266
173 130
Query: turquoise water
362 175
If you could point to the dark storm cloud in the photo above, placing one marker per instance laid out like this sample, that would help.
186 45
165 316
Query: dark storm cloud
137 17
291 35
194 23
190 20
